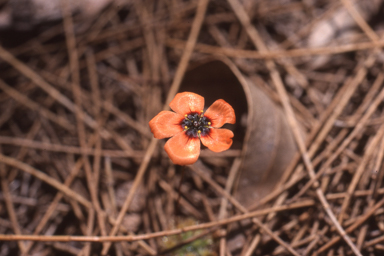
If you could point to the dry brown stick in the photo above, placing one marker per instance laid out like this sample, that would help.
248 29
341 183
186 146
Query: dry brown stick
355 225
360 125
109 198
224 202
66 247
360 169
291 69
374 241
330 148
375 38
7 113
357 193
351 122
107 105
257 41
280 189
96 27
91 219
369 96
306 158
326 122
223 42
330 122
131 81
24 150
203 198
196 25
175 195
315 240
131 25
112 204
252 247
297 240
379 169
223 249
90 227
96 99
339 102
190 45
117 50
53 92
36 78
10 207
24 100
360 21
307 28
249 54
102 239
47 179
364 229
306 117
43 36
327 119
75 74
28 143
256 221
153 53
22 200
53 204
52 207
109 182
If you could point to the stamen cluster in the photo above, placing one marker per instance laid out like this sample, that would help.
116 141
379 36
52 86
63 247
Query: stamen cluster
196 125
188 125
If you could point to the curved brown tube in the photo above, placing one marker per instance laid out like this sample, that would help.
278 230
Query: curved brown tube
266 140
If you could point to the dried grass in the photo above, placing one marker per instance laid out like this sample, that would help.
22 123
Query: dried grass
81 173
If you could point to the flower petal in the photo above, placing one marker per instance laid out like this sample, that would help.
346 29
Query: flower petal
218 140
166 124
187 102
220 112
182 149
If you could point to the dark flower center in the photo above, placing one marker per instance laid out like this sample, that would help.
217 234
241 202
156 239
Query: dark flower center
196 125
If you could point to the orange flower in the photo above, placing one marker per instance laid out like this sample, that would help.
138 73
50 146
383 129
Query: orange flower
190 124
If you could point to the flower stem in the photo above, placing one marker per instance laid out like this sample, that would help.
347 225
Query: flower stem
177 209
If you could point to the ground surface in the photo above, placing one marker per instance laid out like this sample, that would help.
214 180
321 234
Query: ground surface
77 158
